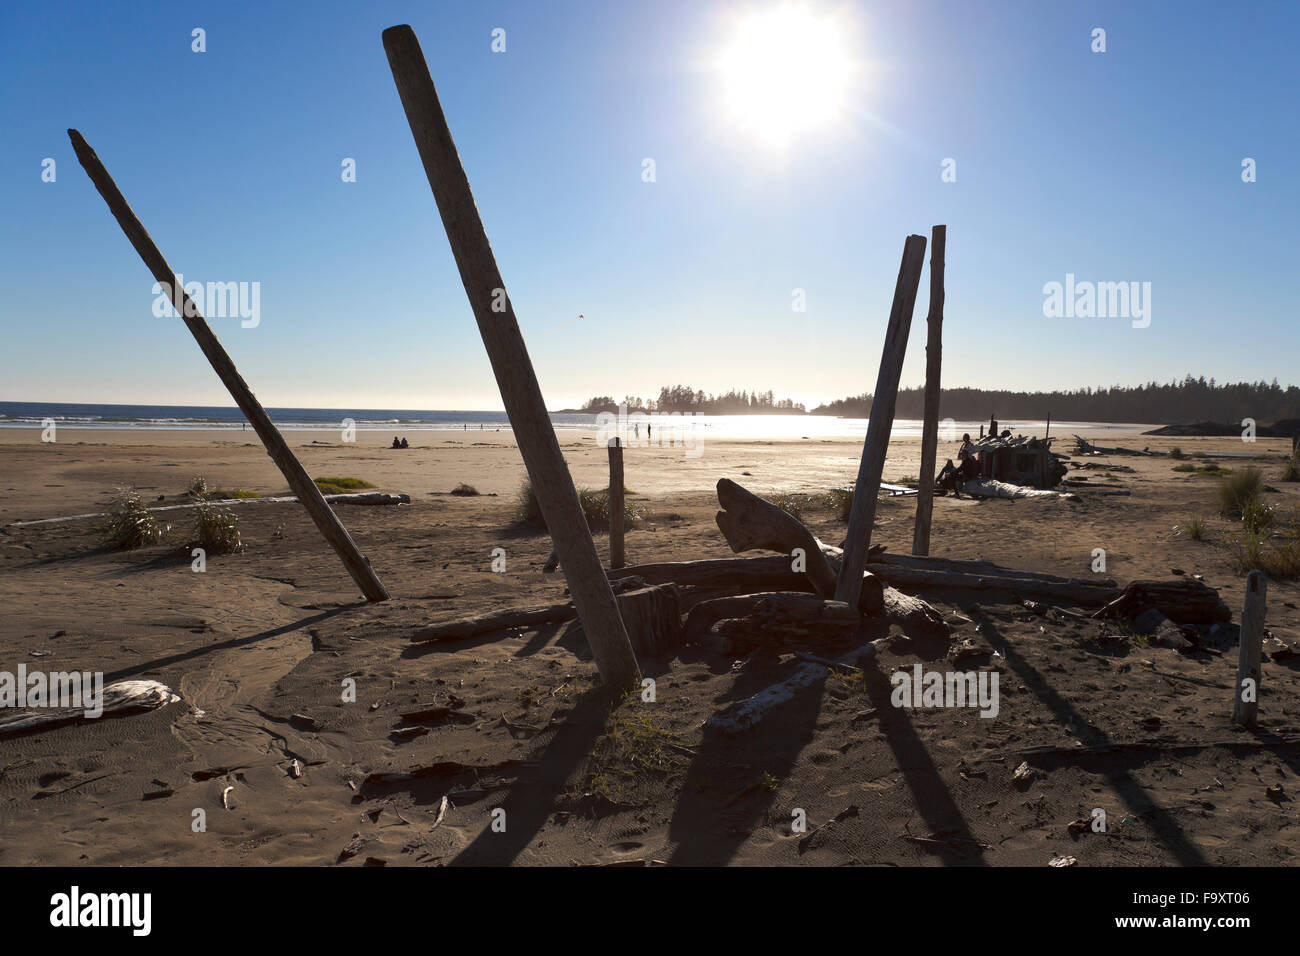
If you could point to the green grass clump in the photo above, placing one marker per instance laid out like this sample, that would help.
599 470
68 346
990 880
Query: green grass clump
1186 466
1194 529
223 494
594 503
840 501
129 524
465 491
1176 452
1239 490
340 486
216 529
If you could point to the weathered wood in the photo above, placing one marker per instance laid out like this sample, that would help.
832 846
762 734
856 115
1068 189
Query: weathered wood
310 496
913 615
616 507
750 712
1082 593
749 522
128 696
511 365
749 574
463 627
1184 600
363 498
928 563
933 362
883 400
772 619
1245 698
653 617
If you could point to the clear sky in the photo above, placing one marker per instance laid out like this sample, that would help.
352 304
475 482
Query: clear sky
1117 166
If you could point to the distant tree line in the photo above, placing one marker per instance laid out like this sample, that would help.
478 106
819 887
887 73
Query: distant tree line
683 398
1191 400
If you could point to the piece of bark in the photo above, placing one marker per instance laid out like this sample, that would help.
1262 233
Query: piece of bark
653 618
749 522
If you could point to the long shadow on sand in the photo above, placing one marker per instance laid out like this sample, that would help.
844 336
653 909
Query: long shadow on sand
1164 826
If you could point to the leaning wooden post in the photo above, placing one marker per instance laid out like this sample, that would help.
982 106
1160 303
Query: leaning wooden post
276 447
1245 699
615 504
522 396
933 360
849 586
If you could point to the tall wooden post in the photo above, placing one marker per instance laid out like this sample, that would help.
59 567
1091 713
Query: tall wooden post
289 466
592 596
615 504
863 515
933 361
1244 712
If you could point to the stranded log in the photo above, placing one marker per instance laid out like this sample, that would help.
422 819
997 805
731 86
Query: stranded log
511 365
328 523
883 399
933 361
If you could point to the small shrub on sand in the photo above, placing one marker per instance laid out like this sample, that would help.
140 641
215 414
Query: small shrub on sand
840 501
340 486
465 491
1186 466
129 524
198 489
1239 490
594 502
1194 529
793 504
1176 452
1292 472
216 529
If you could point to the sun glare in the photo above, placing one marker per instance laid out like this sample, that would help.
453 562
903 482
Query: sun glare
784 73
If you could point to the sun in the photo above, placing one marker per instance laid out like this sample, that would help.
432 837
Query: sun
784 73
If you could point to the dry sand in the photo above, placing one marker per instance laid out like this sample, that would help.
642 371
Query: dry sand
259 645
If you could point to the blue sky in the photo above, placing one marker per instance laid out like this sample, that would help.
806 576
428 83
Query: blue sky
1115 166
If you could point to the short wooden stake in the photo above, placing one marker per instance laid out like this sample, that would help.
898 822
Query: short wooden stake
522 396
933 361
276 447
1244 711
615 504
863 514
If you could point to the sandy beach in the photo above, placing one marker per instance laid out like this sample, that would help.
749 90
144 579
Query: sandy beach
259 645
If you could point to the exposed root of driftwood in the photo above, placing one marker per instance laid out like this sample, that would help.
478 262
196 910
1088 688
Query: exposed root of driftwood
751 711
749 523
123 697
737 625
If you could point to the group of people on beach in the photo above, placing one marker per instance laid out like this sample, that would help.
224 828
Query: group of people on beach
399 444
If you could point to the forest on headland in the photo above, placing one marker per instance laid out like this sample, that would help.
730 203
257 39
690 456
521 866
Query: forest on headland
1189 400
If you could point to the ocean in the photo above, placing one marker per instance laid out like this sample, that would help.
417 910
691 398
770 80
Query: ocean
193 417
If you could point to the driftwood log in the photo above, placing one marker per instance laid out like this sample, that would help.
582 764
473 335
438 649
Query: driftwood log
750 523
128 696
776 619
508 354
653 618
463 627
1184 601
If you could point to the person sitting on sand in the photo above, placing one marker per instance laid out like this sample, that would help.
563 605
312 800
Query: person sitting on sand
970 466
403 444
396 443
